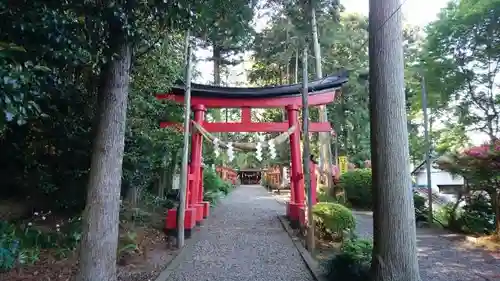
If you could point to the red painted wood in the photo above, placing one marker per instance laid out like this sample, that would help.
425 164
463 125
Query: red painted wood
196 152
252 127
246 115
319 98
295 155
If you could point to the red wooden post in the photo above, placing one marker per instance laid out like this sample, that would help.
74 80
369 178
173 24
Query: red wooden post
296 175
190 214
201 192
196 147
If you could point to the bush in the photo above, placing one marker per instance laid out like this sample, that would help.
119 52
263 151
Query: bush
478 216
211 181
353 263
335 218
357 185
225 187
213 186
420 208
445 216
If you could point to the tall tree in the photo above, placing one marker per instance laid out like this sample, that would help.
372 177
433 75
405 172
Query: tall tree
395 247
122 27
462 62
325 147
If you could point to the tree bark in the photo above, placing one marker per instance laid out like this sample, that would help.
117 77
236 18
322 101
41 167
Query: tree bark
170 171
324 137
296 73
101 215
395 247
217 64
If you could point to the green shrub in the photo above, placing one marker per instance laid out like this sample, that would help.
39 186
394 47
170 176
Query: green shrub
420 208
213 186
353 263
9 246
478 216
225 187
325 197
335 218
357 185
18 246
211 181
445 217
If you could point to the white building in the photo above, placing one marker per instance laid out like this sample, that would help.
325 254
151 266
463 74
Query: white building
442 182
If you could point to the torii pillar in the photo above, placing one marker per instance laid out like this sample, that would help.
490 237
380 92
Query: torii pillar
296 174
196 185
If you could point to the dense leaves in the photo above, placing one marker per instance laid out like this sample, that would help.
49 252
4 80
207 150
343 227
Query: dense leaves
353 263
336 218
480 167
358 187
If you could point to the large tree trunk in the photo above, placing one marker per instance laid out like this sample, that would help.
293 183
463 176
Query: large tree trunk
217 64
395 246
101 215
324 137
216 56
296 73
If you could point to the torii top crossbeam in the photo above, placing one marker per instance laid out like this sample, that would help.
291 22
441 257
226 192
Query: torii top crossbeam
321 92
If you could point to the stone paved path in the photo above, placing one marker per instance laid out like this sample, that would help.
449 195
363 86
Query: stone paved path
243 241
441 258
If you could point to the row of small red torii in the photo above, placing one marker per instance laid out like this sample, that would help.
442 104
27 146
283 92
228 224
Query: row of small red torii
196 208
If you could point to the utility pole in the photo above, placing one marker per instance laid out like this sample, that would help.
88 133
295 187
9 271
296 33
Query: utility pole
181 211
306 153
427 147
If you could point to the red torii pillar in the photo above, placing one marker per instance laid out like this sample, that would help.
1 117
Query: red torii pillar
297 193
201 192
195 165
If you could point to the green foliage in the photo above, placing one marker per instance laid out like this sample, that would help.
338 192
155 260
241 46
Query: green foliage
446 216
21 244
335 218
463 79
420 208
214 186
477 216
479 166
358 187
324 197
9 246
353 263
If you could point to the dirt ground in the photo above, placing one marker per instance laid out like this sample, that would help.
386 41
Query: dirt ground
143 265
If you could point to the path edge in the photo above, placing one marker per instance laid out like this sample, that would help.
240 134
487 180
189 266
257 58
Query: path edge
311 264
188 246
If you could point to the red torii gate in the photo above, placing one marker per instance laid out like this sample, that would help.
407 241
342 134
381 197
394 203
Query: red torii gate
321 92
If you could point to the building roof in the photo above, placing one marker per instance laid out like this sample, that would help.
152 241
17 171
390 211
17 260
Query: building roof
252 170
421 165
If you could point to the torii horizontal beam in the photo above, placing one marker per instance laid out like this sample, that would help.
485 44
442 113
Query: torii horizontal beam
315 99
240 127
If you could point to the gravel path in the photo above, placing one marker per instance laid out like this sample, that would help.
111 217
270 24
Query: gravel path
440 257
243 240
